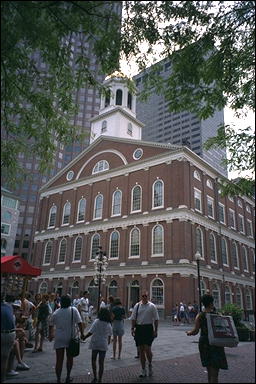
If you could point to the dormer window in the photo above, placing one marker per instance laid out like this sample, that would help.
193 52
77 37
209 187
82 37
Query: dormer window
119 97
104 126
101 166
129 129
129 101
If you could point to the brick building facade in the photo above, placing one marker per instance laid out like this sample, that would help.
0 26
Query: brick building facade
151 207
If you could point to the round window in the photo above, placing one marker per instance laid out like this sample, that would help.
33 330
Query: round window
70 175
137 154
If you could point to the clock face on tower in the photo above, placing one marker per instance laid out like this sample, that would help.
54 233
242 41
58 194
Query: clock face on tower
137 154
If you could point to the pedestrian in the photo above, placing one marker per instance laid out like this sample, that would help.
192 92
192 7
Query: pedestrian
102 303
7 335
144 328
83 308
61 319
101 332
76 301
118 315
213 358
181 313
42 322
110 304
190 313
175 312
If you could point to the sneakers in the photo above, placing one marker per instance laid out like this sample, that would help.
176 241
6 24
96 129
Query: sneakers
143 373
22 366
12 373
150 370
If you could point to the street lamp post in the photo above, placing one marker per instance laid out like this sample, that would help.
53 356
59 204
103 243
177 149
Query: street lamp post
198 258
100 265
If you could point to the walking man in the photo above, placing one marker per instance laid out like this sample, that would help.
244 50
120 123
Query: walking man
144 328
83 308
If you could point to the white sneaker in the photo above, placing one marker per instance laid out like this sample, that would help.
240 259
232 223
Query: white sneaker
143 373
150 370
12 373
22 366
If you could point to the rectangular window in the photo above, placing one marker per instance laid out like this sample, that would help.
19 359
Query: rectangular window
210 207
8 202
5 229
241 223
222 213
198 200
249 228
231 218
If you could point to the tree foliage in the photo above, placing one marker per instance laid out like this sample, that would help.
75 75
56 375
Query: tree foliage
36 104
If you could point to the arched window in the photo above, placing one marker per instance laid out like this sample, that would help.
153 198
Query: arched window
48 252
213 254
95 245
101 166
66 213
234 255
98 207
216 296
43 287
119 97
112 289
203 287
116 203
239 298
129 129
199 242
129 101
248 298
135 242
52 216
209 184
78 249
81 210
74 289
197 175
62 251
107 98
158 240
103 126
158 193
136 198
157 292
224 254
228 296
114 245
244 259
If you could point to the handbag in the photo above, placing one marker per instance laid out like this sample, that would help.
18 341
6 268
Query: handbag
221 330
74 344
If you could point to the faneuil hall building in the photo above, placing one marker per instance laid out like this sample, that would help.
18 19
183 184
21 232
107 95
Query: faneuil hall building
154 209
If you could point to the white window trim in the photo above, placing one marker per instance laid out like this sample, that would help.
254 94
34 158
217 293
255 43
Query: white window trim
92 260
196 175
215 249
94 209
49 241
209 184
209 198
248 209
159 206
138 210
62 262
74 248
80 221
237 257
63 225
103 170
224 214
234 217
242 217
118 250
151 286
9 229
250 224
130 243
52 226
152 241
246 258
226 247
112 208
200 193
202 239
239 203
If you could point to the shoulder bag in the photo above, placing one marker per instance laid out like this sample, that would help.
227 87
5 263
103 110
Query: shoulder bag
74 344
221 330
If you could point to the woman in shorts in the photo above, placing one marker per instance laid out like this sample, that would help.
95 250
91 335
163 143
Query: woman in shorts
118 315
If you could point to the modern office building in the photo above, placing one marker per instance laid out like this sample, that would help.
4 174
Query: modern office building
153 208
9 221
88 102
182 128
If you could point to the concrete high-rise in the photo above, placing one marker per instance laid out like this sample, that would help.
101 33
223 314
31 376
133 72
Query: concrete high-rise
181 128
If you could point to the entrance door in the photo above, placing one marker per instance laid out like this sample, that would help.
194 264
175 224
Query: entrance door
134 293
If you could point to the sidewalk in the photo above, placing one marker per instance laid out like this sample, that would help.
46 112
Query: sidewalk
176 360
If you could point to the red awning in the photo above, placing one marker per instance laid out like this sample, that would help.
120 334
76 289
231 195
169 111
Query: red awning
18 265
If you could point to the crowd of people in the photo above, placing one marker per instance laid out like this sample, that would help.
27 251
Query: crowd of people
26 322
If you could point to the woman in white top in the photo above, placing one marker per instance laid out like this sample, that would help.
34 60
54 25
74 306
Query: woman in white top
101 332
62 319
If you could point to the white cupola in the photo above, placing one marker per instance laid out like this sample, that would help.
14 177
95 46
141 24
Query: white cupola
117 115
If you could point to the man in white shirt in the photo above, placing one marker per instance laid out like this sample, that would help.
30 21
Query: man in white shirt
144 329
83 308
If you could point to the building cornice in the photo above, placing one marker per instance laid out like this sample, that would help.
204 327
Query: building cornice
167 215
